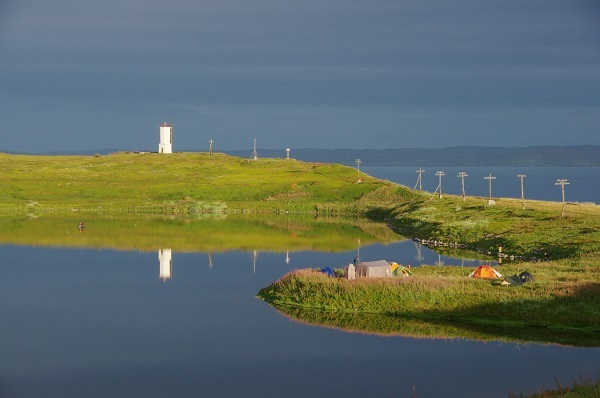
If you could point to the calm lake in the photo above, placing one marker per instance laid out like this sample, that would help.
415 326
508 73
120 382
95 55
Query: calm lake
155 308
103 323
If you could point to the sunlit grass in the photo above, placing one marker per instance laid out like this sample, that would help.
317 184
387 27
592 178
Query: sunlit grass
564 297
527 233
181 183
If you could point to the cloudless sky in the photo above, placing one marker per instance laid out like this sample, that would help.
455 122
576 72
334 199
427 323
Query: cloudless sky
80 74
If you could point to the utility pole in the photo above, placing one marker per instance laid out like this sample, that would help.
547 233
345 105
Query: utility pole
490 178
254 153
522 176
357 161
440 174
419 181
210 147
562 182
462 176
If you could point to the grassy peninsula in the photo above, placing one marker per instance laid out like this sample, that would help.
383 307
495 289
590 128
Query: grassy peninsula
563 252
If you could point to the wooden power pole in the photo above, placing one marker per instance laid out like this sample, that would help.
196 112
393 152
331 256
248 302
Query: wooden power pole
419 181
562 182
462 176
490 178
522 176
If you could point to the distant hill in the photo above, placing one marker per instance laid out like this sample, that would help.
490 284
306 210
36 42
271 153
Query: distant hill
540 156
537 156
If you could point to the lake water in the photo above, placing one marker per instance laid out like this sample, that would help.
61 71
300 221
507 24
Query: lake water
99 322
539 182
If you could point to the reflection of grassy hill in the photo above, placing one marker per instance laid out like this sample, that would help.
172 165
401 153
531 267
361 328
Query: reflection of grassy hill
182 183
562 304
390 325
217 233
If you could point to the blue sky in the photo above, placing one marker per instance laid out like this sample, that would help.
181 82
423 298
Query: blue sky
80 75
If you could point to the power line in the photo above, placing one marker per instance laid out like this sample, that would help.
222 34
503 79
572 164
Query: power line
562 182
438 190
490 178
254 153
462 176
522 176
419 183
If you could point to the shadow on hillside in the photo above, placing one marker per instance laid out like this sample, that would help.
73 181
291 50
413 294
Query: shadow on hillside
486 242
474 323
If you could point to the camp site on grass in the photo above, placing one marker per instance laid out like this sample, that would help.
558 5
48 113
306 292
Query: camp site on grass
373 269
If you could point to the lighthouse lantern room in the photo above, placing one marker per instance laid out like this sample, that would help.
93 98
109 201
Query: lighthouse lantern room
166 138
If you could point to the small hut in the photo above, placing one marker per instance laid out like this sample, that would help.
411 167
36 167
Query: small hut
373 269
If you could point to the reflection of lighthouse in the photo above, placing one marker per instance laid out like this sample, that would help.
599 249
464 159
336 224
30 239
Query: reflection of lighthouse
164 256
166 138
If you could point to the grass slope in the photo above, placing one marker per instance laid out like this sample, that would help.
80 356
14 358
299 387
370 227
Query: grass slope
184 183
525 233
563 300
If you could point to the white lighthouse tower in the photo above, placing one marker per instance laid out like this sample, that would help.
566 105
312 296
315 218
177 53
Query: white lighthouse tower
166 138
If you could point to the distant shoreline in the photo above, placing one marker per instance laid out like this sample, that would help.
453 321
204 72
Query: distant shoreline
535 156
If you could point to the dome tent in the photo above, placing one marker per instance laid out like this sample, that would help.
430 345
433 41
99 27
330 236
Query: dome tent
485 272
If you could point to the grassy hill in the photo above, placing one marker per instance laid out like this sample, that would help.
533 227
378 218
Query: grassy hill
183 183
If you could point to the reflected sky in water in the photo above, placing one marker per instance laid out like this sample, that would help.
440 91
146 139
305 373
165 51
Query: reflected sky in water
97 323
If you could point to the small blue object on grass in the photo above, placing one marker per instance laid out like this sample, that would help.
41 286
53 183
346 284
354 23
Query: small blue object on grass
328 271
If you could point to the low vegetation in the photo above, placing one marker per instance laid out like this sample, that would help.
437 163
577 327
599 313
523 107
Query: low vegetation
535 232
560 307
584 387
183 183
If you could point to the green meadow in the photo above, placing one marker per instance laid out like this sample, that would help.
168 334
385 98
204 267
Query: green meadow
182 183
560 307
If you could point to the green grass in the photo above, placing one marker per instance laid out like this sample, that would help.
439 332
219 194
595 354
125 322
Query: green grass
526 233
562 304
182 183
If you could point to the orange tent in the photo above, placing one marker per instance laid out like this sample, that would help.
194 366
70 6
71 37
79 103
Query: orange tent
485 272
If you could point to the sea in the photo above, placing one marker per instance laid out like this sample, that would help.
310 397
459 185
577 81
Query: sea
582 184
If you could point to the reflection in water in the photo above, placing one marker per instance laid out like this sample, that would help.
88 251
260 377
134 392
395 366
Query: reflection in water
166 264
73 330
399 252
388 325
419 257
439 260
282 234
254 257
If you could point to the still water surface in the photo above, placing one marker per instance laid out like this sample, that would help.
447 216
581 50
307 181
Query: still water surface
98 323
539 183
